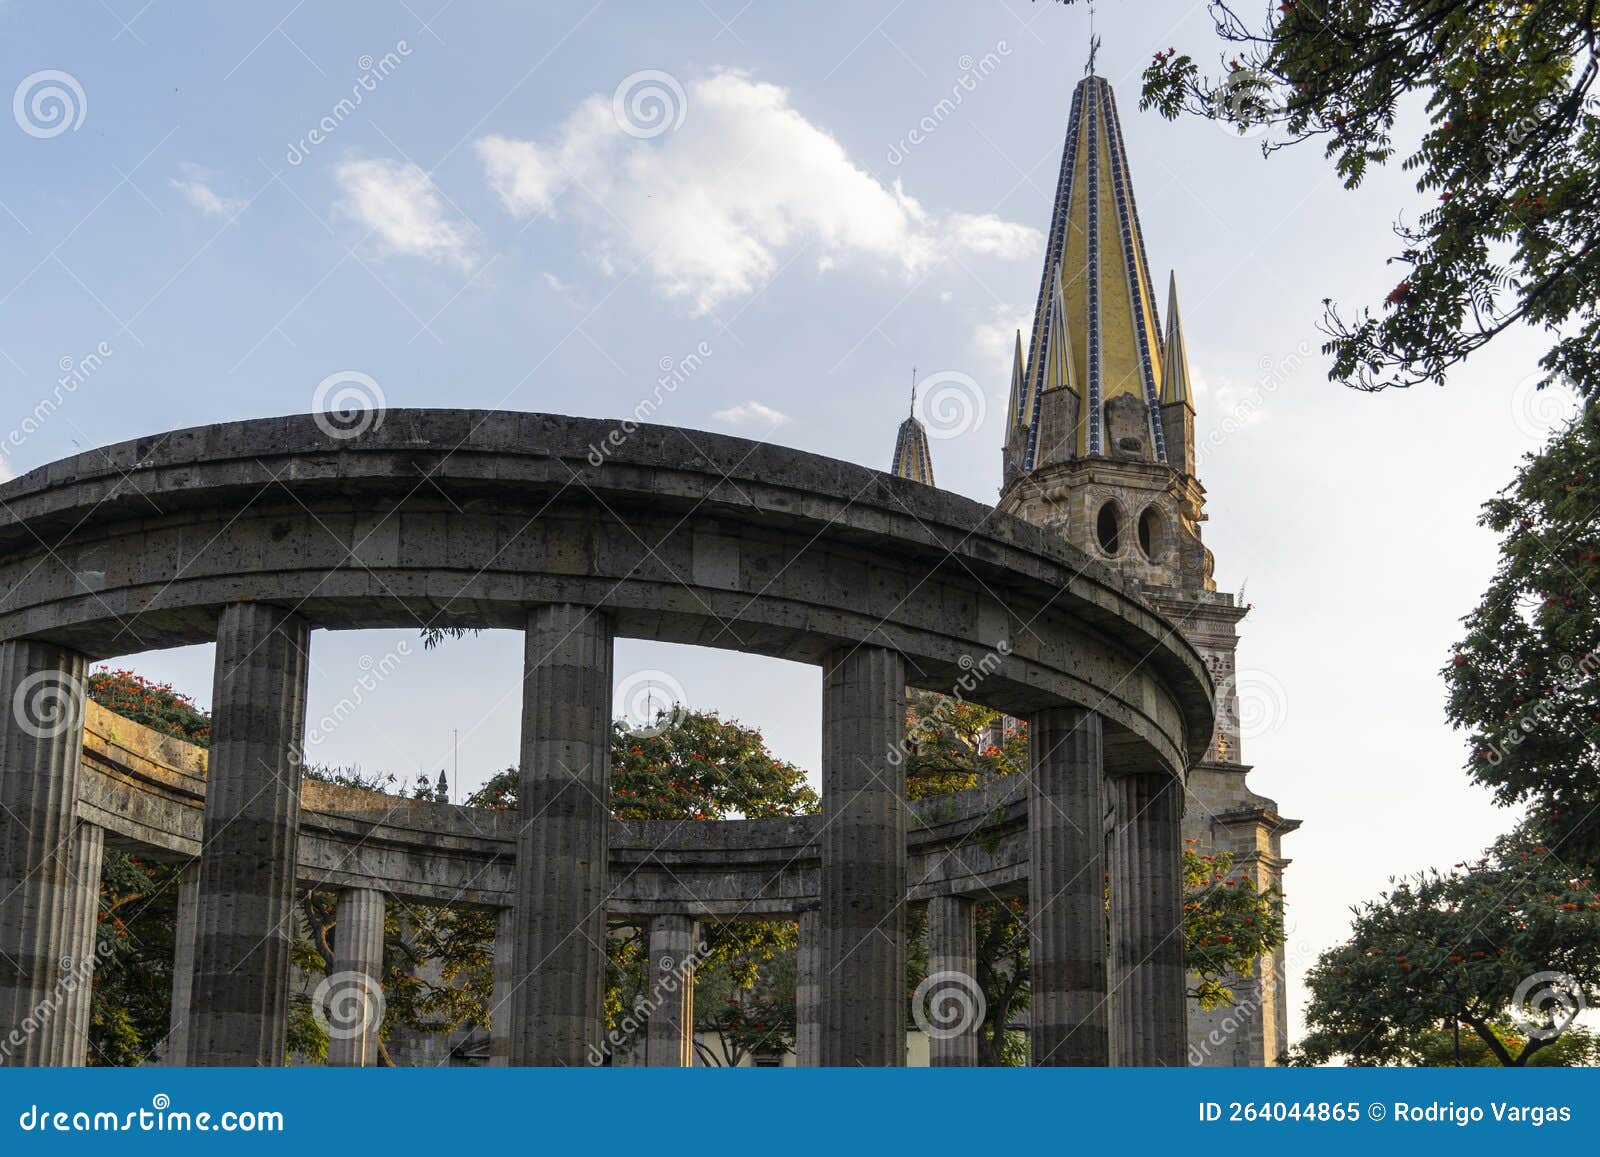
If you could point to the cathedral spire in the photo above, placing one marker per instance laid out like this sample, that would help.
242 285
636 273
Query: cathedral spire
1175 355
1113 331
912 458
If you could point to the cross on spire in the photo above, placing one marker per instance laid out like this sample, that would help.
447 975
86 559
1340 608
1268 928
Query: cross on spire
1094 44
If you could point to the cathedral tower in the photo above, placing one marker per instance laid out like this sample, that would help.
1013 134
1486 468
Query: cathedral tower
1100 447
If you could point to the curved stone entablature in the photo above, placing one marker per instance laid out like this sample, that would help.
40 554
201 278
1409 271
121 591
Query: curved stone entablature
147 792
469 518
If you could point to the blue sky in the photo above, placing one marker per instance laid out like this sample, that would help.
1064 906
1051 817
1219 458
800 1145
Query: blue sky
476 231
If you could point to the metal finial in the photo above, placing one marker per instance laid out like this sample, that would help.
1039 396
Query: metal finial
1094 44
913 391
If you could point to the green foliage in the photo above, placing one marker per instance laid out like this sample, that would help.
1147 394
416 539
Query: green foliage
156 705
1448 947
1507 163
1523 680
1228 924
949 745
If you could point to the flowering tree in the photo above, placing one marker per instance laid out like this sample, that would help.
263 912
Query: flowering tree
1507 948
1523 680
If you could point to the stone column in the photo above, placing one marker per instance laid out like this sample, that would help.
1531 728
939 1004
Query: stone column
670 990
505 941
79 961
41 738
1149 1001
562 844
1071 1004
239 1007
863 858
953 1003
183 931
353 998
808 990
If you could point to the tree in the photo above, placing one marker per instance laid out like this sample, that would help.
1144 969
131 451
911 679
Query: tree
1508 165
1522 681
694 765
1507 947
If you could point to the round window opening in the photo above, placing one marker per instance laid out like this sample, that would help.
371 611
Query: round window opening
1152 533
1108 528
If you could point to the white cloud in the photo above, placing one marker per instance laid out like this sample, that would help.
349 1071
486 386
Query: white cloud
996 339
752 411
195 185
714 207
399 204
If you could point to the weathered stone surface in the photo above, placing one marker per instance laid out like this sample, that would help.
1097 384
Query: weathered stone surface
563 824
41 710
863 858
670 991
1148 992
952 1001
240 1000
354 999
808 989
80 959
175 1049
1066 890
796 555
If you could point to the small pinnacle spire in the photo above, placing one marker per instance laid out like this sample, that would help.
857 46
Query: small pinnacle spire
913 412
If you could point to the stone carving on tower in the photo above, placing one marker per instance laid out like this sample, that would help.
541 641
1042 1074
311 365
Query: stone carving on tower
1100 447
